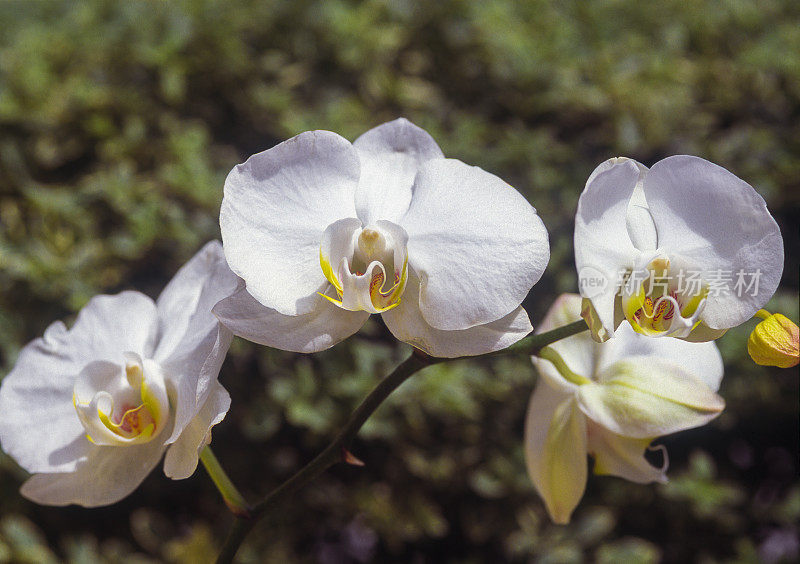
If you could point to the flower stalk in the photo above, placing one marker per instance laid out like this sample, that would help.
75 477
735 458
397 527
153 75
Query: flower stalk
549 353
230 494
337 450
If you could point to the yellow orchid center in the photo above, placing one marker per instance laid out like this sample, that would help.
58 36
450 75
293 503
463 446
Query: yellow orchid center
366 267
371 243
662 302
121 407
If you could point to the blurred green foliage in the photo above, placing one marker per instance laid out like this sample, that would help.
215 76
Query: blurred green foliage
120 120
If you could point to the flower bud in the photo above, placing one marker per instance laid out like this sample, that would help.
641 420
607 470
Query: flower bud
774 342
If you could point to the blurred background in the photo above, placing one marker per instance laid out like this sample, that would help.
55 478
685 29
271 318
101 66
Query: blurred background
120 120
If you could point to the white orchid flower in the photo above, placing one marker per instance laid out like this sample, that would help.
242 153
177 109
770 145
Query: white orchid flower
90 411
610 401
684 249
324 233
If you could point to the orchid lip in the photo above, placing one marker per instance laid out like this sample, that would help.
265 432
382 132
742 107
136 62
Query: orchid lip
120 406
371 265
657 306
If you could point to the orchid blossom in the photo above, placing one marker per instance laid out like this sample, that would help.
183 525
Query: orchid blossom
610 400
90 411
684 249
324 233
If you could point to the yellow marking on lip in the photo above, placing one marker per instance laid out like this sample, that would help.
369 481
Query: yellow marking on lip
328 272
150 402
135 423
378 282
330 299
692 305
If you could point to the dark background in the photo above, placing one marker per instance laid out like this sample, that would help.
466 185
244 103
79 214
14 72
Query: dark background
120 120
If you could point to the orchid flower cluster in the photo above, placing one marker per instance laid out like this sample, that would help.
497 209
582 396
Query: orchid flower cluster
319 233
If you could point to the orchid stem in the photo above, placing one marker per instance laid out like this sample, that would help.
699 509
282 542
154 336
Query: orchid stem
337 451
532 344
549 353
233 499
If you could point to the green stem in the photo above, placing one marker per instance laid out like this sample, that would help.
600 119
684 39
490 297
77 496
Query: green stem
337 450
233 499
332 454
549 353
532 344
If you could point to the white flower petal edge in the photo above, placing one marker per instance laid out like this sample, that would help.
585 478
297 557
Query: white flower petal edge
407 324
693 253
400 210
615 455
579 352
475 243
104 476
621 395
325 326
90 411
181 459
193 344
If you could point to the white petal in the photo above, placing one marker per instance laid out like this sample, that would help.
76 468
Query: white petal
188 393
578 351
110 325
390 156
603 247
39 426
555 450
701 360
646 397
615 455
714 221
338 242
184 306
318 330
640 224
105 476
181 459
193 345
275 208
407 324
475 243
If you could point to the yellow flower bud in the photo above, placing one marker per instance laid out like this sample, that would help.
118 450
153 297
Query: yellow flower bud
774 342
